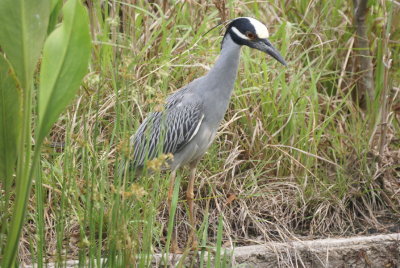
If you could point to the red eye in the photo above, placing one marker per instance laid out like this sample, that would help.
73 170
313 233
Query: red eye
250 35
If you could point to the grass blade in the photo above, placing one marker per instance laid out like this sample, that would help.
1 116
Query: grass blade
219 243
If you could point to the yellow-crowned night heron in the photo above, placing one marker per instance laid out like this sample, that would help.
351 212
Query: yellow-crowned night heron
192 115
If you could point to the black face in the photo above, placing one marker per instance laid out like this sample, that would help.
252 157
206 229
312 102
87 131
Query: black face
243 32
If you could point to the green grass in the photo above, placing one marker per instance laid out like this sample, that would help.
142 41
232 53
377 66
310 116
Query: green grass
295 156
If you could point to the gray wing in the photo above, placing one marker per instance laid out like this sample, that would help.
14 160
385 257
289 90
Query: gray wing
168 131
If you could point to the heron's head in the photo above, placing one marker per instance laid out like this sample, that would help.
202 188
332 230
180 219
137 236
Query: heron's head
250 32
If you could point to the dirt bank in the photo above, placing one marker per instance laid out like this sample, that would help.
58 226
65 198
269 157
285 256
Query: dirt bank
362 251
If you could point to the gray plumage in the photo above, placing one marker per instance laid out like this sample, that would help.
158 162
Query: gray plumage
192 115
167 132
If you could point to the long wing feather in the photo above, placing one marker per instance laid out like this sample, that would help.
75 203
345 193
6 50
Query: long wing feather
168 131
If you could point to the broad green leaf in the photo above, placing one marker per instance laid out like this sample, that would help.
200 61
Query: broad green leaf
10 120
56 6
22 33
65 60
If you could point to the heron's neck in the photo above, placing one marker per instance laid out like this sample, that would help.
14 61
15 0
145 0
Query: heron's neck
219 82
223 74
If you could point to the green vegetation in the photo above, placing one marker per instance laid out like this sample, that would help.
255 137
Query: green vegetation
64 63
296 156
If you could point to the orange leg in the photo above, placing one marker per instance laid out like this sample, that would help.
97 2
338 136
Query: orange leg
192 213
174 243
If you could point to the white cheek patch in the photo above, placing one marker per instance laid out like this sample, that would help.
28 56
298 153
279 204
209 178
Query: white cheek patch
261 29
239 34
